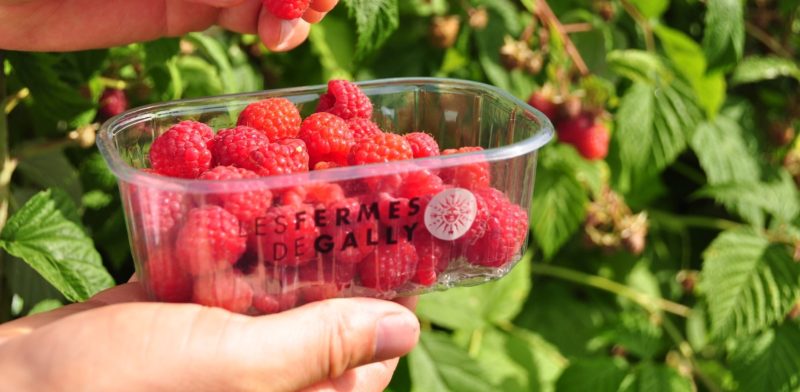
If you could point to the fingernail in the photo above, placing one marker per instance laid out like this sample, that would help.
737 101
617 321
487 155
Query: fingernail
287 31
397 335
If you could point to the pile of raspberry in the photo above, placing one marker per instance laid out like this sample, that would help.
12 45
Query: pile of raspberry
253 249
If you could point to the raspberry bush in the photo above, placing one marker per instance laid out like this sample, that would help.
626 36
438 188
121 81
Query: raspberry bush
666 220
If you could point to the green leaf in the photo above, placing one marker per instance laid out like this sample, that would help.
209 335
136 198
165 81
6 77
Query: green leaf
687 57
519 360
751 200
489 40
559 205
723 41
215 51
329 40
437 364
654 125
769 361
26 283
43 234
651 377
53 170
638 65
634 331
651 8
479 306
376 20
160 64
45 306
593 374
199 78
748 283
721 148
507 11
53 98
755 69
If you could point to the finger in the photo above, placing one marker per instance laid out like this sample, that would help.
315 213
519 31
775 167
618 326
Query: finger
219 3
130 292
281 35
323 5
242 18
190 347
408 302
89 24
371 377
313 16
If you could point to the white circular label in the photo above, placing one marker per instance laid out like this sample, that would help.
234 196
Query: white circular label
450 214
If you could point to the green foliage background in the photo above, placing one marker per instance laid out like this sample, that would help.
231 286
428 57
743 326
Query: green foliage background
693 86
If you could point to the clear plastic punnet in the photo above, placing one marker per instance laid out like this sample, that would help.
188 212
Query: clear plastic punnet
379 230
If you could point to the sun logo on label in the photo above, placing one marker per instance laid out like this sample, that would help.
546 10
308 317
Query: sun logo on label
450 214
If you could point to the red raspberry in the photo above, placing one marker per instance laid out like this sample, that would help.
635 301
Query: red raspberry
159 212
210 240
543 103
232 147
245 206
345 100
225 290
505 233
327 272
273 303
471 176
420 183
326 165
484 211
164 278
324 280
287 9
422 144
592 143
349 230
278 118
389 267
412 196
323 193
327 137
182 151
314 193
285 235
434 257
573 130
286 156
363 128
112 102
385 147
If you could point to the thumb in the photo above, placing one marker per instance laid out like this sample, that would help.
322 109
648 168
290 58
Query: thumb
323 340
189 347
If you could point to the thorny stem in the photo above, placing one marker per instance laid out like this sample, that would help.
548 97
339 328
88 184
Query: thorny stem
599 282
641 20
549 18
766 39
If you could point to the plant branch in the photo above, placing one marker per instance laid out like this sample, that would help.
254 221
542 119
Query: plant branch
703 222
81 137
5 292
641 20
766 39
646 301
549 18
687 352
9 103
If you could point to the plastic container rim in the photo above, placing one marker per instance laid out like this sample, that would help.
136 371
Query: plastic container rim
127 173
